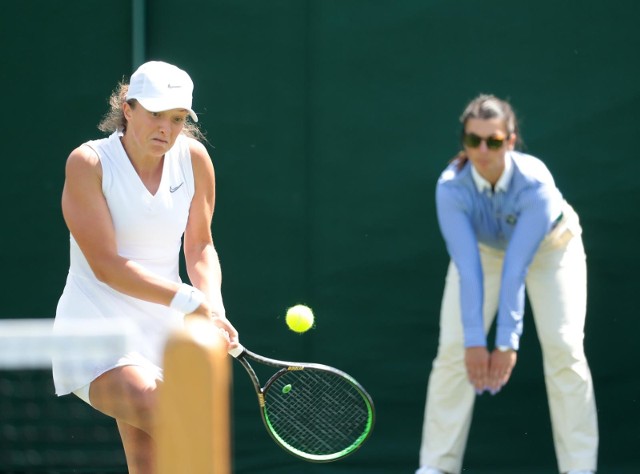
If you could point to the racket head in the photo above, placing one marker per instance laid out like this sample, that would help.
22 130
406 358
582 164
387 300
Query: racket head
316 412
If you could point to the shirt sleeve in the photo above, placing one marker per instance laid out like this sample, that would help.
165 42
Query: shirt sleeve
534 222
462 245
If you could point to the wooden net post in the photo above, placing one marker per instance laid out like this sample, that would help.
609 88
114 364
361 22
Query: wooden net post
193 412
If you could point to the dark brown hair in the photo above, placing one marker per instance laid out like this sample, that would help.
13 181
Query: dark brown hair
485 107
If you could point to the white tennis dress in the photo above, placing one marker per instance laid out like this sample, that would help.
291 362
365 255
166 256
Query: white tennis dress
148 231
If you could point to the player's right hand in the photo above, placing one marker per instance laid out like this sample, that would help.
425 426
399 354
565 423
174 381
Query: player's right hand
476 360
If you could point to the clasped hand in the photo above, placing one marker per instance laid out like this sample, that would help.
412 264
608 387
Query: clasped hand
219 321
489 371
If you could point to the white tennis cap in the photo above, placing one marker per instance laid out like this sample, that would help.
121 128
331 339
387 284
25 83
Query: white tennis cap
160 86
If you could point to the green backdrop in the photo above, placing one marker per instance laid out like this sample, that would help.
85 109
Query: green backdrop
329 122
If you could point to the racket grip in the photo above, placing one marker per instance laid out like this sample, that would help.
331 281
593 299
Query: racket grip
236 351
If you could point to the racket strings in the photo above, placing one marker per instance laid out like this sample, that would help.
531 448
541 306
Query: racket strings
317 412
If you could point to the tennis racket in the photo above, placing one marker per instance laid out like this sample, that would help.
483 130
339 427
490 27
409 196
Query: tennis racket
313 411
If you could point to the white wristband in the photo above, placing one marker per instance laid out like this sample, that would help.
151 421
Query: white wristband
187 299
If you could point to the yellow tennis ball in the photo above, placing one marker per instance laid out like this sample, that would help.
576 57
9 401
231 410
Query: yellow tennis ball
299 318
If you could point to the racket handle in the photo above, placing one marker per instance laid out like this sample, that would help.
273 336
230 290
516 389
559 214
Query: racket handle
236 351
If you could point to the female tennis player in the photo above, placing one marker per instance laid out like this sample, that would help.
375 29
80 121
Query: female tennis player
128 201
506 227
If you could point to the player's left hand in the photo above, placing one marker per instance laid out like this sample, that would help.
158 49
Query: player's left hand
501 365
227 330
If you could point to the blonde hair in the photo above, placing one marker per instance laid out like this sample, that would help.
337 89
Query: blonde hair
115 120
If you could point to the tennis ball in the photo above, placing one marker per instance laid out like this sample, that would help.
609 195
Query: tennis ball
299 318
286 388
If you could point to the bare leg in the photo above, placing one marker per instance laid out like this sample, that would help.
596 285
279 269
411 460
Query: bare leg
129 394
139 449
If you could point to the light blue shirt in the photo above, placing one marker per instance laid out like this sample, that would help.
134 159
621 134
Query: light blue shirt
513 217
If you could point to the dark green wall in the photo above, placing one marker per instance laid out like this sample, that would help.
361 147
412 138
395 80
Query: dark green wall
329 122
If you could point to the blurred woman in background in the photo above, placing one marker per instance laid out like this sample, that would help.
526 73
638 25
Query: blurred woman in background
506 227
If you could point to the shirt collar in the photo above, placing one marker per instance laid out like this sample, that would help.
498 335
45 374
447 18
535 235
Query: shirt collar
503 182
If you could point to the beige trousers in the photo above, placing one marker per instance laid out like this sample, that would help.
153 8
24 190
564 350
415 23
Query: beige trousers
556 288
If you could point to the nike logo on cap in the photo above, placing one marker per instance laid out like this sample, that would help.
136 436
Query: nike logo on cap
174 86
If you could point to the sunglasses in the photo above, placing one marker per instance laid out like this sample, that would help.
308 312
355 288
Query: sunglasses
473 141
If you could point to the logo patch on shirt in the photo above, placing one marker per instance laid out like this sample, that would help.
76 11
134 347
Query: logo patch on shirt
173 189
511 219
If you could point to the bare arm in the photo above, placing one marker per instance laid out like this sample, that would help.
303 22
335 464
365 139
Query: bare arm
87 216
203 265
